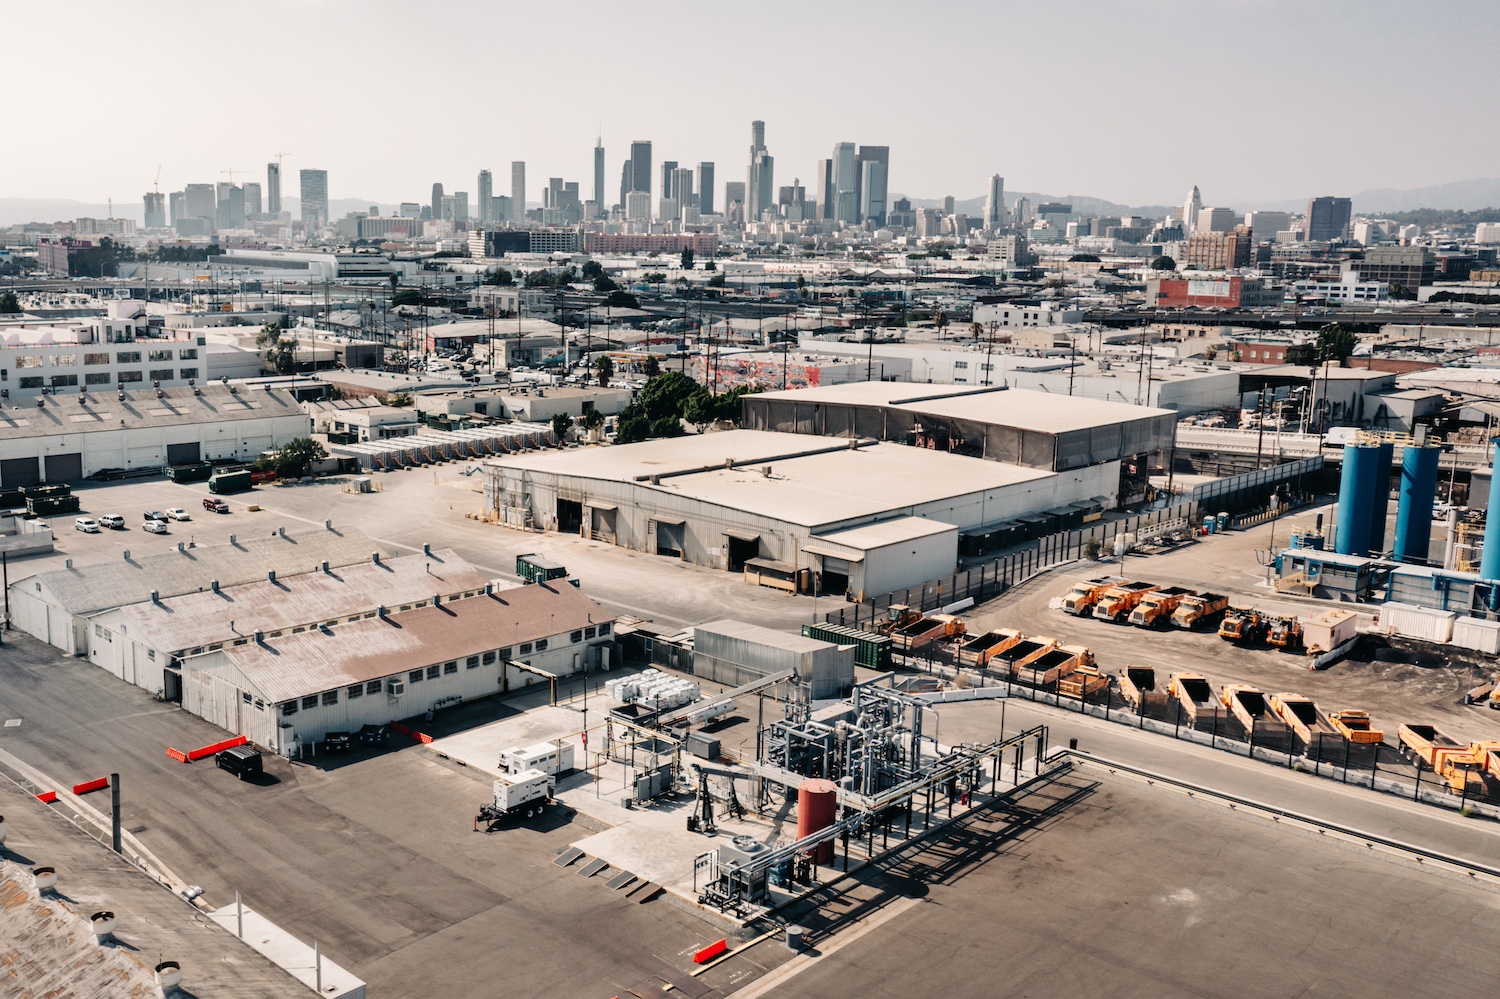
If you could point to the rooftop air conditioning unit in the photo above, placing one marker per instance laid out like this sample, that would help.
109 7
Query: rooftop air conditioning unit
394 687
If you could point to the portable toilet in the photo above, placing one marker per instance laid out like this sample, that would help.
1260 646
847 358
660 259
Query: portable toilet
1223 522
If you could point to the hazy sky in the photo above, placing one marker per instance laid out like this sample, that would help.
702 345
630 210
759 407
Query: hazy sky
1132 100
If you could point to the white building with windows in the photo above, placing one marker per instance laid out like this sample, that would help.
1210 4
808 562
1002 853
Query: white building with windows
114 351
1349 288
1012 315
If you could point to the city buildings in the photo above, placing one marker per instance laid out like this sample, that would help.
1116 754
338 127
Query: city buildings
1217 250
314 194
518 191
1410 267
1265 225
599 201
994 204
273 188
1190 209
1215 220
155 215
873 164
435 209
845 198
759 183
706 187
486 191
640 169
1327 219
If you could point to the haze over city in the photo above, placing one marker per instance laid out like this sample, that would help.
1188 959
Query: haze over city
1256 101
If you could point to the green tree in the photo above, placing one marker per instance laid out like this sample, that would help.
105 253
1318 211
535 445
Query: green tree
654 277
500 277
1084 258
9 304
406 296
709 265
561 424
687 258
279 352
603 282
592 420
604 369
651 366
292 459
940 320
658 410
1164 263
623 300
717 281
592 270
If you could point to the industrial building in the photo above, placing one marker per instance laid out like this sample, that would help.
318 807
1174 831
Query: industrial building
145 643
280 692
1034 429
734 652
784 504
58 606
66 438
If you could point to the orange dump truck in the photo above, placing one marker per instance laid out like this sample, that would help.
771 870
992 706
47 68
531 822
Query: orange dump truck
1355 727
1084 682
1054 664
1302 716
1080 600
1138 687
1247 704
1453 761
978 650
1199 609
1116 603
1196 695
1157 607
925 630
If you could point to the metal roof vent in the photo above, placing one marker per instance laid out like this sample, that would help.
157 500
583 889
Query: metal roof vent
46 878
375 557
271 575
155 596
103 924
260 638
214 585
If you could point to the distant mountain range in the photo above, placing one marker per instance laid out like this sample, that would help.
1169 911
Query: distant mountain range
1460 194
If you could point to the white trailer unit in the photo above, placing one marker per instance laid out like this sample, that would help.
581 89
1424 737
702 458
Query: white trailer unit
548 757
523 794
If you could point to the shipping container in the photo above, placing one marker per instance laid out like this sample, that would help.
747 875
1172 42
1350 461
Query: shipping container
198 471
231 482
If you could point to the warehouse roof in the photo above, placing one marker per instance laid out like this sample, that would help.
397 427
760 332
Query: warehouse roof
887 532
786 640
95 411
877 393
375 648
83 589
1041 411
206 617
675 455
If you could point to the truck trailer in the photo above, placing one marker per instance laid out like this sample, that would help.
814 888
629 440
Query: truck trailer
1138 687
1354 726
523 794
1195 694
1302 716
978 650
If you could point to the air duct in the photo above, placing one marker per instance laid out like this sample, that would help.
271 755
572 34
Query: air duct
1419 472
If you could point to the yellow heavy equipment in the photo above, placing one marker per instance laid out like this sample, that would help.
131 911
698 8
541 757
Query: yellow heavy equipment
1355 727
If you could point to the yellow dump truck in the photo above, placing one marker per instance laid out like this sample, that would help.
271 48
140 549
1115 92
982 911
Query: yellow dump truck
1138 687
1082 683
1157 607
1199 609
1355 727
1453 761
1488 754
1302 716
1283 632
1051 666
1116 603
1080 600
1195 694
1247 704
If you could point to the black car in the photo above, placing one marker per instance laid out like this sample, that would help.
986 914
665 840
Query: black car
154 515
375 735
337 742
242 761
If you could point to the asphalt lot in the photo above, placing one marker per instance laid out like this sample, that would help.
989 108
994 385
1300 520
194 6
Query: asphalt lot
373 857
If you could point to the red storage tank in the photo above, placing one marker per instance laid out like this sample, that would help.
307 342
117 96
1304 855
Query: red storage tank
817 807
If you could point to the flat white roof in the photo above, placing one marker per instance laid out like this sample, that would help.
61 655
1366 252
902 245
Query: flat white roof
887 532
877 393
675 455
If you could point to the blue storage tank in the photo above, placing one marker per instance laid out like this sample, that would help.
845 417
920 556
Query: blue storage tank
1380 498
1489 559
1419 472
1359 480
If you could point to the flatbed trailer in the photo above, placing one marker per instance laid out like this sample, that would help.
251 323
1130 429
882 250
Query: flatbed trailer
1454 761
1198 609
1195 694
1302 716
1138 687
977 650
1157 607
1080 600
1354 726
1116 603
1246 704
1487 692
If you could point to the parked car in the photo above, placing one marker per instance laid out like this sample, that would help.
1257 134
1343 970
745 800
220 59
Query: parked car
178 513
242 761
87 525
375 735
155 527
155 515
337 742
215 504
113 521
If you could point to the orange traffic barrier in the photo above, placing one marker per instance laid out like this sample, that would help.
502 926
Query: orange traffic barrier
218 747
47 797
421 736
712 951
97 784
400 729
177 755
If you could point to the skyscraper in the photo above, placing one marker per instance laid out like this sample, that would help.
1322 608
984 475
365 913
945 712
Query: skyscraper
845 200
627 182
994 205
486 194
252 200
599 173
668 168
229 206
199 202
706 188
872 191
518 191
314 191
760 194
1327 219
156 210
825 190
682 189
436 207
273 188
640 166
863 197
1190 209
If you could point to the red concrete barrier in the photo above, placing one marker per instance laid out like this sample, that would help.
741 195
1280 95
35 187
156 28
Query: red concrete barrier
421 737
47 797
177 755
97 784
218 747
712 951
400 729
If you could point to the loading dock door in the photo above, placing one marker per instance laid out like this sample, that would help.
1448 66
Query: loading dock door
569 516
835 575
64 467
18 472
740 547
670 538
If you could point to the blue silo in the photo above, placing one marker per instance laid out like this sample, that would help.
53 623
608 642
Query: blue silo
1361 467
1419 472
